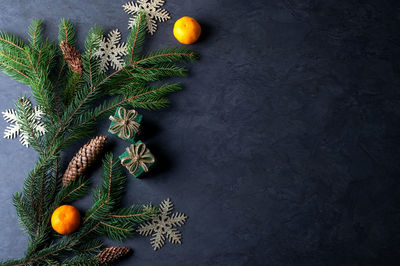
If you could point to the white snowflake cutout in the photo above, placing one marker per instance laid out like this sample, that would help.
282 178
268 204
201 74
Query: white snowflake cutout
11 116
111 51
11 131
153 13
163 224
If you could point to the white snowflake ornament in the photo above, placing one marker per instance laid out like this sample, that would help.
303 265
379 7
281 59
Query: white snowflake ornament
111 51
11 116
163 224
153 13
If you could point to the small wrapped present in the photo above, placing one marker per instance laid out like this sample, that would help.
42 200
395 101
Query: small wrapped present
125 124
137 159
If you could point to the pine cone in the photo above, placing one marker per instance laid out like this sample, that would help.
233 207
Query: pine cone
72 56
83 159
112 254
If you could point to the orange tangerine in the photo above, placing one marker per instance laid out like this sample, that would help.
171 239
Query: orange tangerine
65 219
187 30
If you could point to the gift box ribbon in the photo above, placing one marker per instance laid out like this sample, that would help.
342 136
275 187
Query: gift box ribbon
139 156
125 123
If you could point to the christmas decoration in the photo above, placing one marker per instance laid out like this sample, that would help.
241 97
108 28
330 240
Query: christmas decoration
71 117
163 224
72 56
137 159
125 124
83 159
111 51
187 30
26 121
153 13
65 219
113 254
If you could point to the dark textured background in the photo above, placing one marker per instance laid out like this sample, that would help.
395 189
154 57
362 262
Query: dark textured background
284 147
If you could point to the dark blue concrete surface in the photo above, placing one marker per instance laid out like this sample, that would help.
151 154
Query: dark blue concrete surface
284 147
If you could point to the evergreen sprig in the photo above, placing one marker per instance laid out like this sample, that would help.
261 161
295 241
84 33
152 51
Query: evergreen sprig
72 104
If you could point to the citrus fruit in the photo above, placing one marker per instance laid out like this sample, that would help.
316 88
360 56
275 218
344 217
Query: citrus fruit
187 30
65 219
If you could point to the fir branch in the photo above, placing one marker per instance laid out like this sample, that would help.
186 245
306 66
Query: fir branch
66 32
135 214
90 248
25 218
13 59
152 98
62 245
166 70
34 55
33 64
136 38
118 230
21 76
73 191
85 122
99 210
114 180
110 192
35 33
168 55
12 43
41 87
123 222
91 65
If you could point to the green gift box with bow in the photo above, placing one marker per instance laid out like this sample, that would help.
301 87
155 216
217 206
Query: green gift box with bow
125 123
137 158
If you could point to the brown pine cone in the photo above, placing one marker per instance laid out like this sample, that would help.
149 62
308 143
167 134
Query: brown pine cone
112 254
83 159
72 56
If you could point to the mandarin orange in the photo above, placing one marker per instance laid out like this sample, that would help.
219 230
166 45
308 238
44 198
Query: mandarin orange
65 219
187 30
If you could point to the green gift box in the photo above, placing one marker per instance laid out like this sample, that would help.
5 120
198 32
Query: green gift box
125 123
137 158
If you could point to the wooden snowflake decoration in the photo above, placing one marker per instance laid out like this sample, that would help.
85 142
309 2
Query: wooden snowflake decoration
34 116
163 224
111 51
153 13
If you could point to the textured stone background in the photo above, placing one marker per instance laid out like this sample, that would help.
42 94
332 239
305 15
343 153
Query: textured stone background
284 147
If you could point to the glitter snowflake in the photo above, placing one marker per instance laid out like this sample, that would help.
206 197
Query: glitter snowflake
163 224
111 51
153 13
13 130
